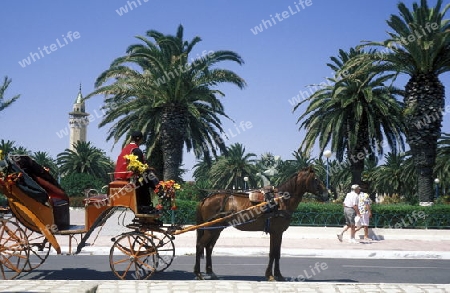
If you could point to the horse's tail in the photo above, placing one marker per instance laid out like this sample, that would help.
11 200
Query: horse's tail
199 220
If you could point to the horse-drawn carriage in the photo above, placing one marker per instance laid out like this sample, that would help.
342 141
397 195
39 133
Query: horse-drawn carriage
39 211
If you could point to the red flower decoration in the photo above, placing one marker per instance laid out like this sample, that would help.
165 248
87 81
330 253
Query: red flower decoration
165 191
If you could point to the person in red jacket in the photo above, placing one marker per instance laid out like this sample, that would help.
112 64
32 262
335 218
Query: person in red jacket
121 172
143 199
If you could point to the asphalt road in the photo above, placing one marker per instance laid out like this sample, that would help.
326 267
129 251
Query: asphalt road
238 268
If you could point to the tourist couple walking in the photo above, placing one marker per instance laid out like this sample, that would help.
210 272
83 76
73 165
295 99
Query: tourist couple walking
357 212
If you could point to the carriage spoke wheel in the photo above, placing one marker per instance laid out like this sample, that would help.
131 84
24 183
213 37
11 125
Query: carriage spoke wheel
39 249
132 256
13 249
166 249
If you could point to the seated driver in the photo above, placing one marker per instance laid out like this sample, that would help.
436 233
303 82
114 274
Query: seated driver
143 199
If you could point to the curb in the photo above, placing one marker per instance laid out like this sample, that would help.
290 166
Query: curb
286 252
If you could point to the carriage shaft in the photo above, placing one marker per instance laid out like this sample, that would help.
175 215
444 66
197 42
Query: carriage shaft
222 219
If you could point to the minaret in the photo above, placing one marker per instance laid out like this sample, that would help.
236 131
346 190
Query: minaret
78 121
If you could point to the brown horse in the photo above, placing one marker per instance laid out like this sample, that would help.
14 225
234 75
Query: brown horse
236 207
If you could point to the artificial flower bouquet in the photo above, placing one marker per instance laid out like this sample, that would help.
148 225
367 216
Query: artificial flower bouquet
5 178
134 165
165 191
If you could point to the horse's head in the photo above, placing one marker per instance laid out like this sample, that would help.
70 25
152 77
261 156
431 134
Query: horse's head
313 184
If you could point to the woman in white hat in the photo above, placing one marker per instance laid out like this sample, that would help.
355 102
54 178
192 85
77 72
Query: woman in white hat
366 213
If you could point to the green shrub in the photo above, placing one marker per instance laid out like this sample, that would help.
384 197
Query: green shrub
383 216
183 215
75 184
331 215
77 201
409 216
190 191
443 199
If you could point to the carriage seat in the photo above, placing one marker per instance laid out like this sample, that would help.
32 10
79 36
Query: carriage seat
264 194
99 199
256 196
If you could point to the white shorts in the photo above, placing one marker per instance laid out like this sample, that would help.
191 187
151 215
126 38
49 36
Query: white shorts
364 219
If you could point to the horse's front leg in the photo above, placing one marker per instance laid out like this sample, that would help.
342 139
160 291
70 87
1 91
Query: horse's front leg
274 258
276 270
269 275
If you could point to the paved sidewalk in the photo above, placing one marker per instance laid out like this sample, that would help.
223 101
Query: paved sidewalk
213 287
297 241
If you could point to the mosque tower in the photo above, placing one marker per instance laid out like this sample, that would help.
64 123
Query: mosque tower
78 121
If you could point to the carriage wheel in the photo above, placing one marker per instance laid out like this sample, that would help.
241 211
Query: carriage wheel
13 249
39 249
38 245
166 249
131 256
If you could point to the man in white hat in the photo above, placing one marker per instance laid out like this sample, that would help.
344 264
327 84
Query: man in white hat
351 210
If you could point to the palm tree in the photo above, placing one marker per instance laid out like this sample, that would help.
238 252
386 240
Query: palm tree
409 178
287 168
419 46
3 102
7 147
229 170
201 173
170 97
20 150
395 176
85 158
45 160
355 115
387 178
267 167
442 167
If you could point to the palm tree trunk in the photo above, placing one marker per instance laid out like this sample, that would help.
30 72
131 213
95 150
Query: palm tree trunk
424 103
424 158
172 141
356 167
156 159
361 151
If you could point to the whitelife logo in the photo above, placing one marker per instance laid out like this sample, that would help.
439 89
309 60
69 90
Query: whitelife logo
66 40
266 24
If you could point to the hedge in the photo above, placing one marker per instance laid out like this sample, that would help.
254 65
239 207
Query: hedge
331 215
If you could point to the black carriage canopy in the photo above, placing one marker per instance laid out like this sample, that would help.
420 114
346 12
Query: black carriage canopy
37 183
30 169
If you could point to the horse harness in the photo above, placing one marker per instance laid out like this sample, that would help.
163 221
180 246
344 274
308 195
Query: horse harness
273 208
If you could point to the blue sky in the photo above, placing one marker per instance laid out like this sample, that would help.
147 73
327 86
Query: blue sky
72 42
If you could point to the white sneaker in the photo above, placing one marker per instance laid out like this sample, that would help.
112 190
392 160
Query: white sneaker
353 240
339 236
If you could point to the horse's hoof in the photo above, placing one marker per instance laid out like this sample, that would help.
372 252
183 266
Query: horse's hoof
271 279
207 276
199 276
